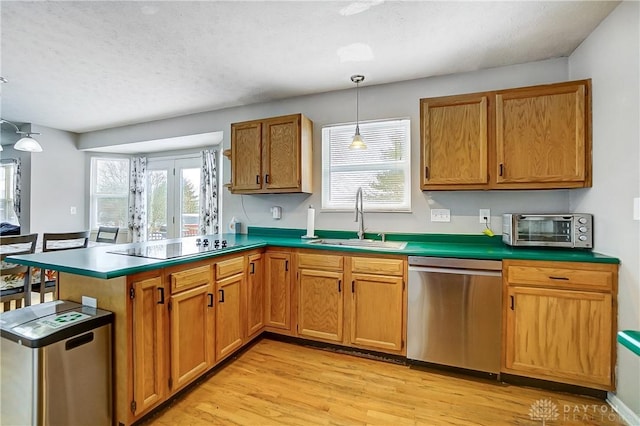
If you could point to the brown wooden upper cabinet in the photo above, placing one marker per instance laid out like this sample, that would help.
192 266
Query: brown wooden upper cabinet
535 137
272 155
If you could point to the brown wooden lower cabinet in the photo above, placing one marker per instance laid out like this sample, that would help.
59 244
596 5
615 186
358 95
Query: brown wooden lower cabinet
340 304
277 291
255 295
377 314
148 317
321 304
174 324
560 321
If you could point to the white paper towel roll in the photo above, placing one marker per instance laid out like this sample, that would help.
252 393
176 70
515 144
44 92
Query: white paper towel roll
311 217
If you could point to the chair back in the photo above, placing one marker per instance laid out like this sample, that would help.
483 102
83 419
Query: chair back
16 244
107 234
64 241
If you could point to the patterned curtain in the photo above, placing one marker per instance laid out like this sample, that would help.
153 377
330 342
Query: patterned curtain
209 194
17 181
138 200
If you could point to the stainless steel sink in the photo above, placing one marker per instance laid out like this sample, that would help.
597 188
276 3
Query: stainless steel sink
365 244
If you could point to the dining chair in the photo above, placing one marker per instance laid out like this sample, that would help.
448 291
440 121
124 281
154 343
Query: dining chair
57 242
107 234
15 277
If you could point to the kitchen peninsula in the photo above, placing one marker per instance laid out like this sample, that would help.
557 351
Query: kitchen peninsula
178 317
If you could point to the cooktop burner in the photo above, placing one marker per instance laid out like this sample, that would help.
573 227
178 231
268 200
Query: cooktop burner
172 250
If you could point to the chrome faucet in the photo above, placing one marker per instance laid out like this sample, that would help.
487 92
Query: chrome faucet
360 211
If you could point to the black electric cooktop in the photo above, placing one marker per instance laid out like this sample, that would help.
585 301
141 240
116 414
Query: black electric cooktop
164 251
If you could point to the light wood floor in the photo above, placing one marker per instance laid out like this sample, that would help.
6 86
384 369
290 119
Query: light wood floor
276 383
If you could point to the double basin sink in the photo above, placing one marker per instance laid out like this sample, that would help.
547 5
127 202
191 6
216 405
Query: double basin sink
364 244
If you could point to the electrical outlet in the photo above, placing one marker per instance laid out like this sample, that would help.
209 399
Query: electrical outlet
485 213
440 215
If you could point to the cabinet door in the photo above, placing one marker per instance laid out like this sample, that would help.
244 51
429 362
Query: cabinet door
542 136
255 296
246 156
149 378
229 320
278 290
560 335
321 305
281 153
192 319
377 312
454 133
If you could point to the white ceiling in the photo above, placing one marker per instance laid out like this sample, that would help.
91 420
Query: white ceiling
87 65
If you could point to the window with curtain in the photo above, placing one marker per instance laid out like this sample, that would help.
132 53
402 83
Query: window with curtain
8 192
382 170
109 192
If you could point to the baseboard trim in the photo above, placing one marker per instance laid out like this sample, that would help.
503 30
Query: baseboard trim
627 415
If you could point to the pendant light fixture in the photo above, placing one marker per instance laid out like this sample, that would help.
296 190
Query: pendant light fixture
357 142
26 142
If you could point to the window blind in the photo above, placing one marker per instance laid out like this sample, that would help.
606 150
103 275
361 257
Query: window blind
382 170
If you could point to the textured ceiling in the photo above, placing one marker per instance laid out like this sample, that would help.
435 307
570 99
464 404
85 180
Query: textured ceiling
88 65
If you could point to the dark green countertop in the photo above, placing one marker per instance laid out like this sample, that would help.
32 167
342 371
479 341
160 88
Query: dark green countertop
97 262
630 339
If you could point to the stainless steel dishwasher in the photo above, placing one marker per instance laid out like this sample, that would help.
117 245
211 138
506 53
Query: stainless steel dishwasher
454 312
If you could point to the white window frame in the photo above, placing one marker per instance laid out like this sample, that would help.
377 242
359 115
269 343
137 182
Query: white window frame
94 197
403 165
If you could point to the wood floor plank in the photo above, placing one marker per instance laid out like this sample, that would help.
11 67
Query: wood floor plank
277 383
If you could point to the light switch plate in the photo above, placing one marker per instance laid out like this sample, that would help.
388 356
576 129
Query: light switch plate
440 215
636 208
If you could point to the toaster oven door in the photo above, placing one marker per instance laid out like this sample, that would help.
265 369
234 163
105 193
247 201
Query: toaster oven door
544 230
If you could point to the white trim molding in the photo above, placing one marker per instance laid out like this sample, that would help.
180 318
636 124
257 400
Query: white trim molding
626 414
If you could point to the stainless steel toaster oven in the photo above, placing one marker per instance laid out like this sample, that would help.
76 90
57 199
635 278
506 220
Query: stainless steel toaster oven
572 230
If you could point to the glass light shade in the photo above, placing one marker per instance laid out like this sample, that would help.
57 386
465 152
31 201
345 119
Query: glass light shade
357 142
28 144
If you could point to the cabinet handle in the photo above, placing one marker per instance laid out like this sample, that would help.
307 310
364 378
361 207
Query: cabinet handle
559 278
258 179
512 302
501 169
426 172
339 286
210 295
253 268
286 266
266 178
353 286
161 290
221 291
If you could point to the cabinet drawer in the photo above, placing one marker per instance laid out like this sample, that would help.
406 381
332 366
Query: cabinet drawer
190 278
372 265
320 261
547 275
226 268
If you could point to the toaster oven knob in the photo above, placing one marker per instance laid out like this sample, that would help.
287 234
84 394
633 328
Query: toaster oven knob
582 238
582 229
582 220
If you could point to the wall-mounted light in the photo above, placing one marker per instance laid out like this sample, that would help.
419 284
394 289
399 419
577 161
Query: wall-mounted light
26 142
357 142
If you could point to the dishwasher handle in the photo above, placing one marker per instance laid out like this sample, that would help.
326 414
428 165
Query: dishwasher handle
456 271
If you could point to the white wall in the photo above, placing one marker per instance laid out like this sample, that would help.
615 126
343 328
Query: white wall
376 102
57 183
610 56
